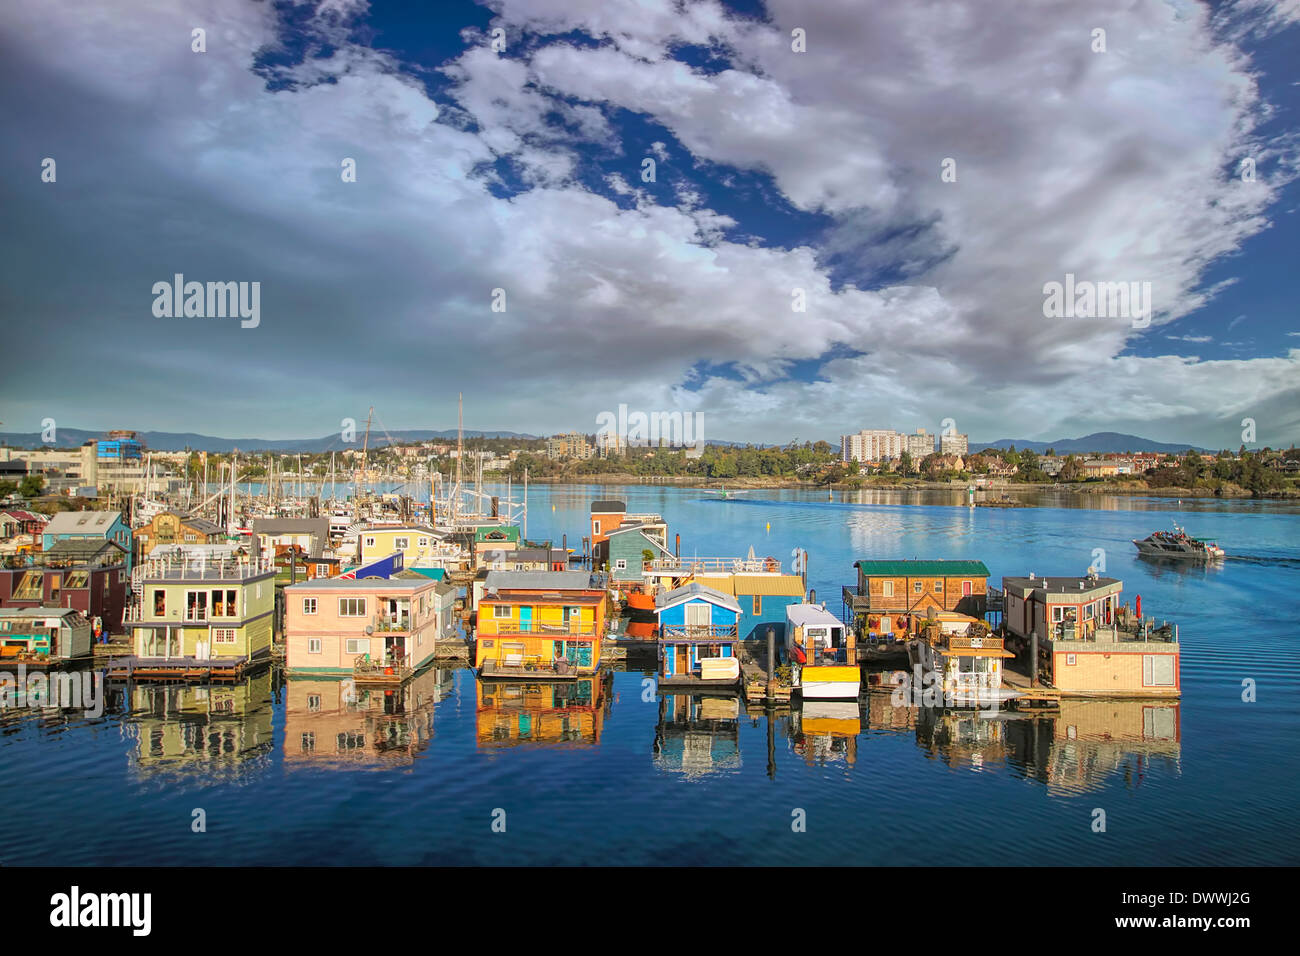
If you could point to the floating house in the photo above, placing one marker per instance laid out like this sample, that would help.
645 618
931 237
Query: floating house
698 636
306 536
419 545
763 598
611 515
958 658
822 653
171 528
1084 642
89 526
536 624
543 713
372 627
87 575
492 539
697 734
42 635
889 595
196 617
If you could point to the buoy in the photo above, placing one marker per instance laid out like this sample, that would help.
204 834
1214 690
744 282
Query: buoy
769 526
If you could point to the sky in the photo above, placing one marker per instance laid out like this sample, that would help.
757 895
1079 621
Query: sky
913 173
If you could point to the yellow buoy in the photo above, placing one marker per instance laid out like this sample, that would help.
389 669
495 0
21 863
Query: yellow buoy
769 526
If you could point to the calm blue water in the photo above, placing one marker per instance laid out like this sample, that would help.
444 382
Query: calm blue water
297 773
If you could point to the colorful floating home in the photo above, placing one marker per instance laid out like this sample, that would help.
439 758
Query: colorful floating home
537 624
763 598
957 656
38 636
891 594
1084 642
89 526
371 628
821 652
698 636
196 617
86 575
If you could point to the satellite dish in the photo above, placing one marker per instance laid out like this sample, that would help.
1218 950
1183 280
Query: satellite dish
370 629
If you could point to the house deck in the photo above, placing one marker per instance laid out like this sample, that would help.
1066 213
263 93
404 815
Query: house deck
529 671
132 667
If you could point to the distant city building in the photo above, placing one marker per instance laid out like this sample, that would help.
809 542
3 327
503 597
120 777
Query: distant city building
570 445
954 443
609 442
920 444
872 445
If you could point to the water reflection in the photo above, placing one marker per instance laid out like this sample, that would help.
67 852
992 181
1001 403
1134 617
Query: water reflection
697 734
513 713
1091 741
339 722
218 730
826 731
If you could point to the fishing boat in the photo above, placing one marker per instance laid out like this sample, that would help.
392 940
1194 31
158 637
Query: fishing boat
1178 544
822 655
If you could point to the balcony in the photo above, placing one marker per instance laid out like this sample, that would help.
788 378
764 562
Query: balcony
699 632
975 643
535 629
386 624
175 567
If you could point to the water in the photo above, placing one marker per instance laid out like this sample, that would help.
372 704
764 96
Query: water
292 773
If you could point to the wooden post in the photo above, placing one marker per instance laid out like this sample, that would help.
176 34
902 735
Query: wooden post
771 663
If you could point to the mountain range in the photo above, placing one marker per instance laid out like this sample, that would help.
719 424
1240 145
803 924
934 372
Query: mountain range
1102 442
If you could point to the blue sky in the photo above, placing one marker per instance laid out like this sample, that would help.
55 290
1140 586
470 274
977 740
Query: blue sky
779 174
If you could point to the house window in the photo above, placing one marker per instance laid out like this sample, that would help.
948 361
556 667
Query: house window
370 542
918 587
938 587
308 605
758 604
196 605
595 527
159 603
313 702
500 611
424 542
358 645
887 588
967 588
313 645
401 544
1158 670
308 743
1058 614
1070 660
223 635
352 607
620 564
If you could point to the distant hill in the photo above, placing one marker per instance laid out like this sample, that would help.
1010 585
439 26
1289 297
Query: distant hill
179 441
1102 442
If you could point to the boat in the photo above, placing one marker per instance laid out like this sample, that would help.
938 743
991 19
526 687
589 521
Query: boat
1178 544
823 658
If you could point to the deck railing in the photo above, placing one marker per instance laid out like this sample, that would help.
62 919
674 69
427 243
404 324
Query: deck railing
705 565
537 629
975 643
201 568
701 632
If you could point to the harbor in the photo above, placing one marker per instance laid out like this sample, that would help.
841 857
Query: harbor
761 643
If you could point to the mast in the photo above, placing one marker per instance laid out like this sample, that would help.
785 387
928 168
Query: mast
460 453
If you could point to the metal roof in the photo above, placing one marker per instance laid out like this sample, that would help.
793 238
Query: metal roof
693 590
815 614
82 522
923 569
608 506
538 581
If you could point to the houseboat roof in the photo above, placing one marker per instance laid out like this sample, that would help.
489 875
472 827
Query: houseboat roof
30 612
538 581
82 522
608 506
1060 585
694 590
95 549
202 525
815 614
745 585
923 569
586 600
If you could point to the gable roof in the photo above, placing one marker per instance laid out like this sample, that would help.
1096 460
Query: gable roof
923 569
696 591
85 550
538 581
82 522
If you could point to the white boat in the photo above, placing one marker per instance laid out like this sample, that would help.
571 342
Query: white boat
1178 544
822 654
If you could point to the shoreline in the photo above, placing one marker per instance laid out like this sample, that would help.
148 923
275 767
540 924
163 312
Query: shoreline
1136 489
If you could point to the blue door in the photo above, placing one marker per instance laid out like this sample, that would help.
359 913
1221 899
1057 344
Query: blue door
525 619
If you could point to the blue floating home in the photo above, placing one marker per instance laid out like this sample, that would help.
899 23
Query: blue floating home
698 632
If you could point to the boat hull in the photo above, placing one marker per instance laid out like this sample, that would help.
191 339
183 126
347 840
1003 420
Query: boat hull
830 682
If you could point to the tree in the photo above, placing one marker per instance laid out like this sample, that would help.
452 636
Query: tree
905 464
31 486
7 488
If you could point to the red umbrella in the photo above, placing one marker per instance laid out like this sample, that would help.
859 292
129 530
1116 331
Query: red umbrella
1139 605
